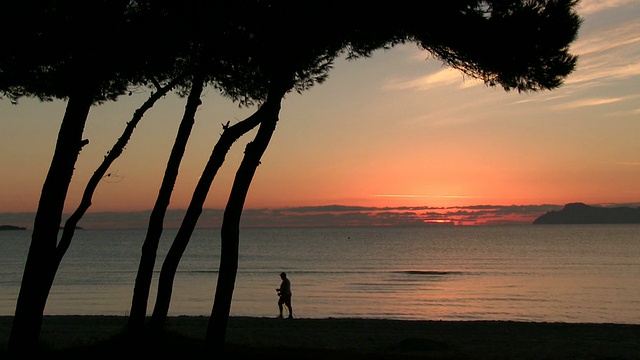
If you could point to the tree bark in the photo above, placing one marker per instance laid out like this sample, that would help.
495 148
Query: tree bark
230 231
40 267
180 242
156 220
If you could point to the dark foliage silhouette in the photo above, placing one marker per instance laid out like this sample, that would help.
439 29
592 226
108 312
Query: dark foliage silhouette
246 50
70 51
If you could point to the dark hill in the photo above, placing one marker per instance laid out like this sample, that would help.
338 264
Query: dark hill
579 213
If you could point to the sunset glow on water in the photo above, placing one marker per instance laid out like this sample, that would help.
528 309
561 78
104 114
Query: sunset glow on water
581 273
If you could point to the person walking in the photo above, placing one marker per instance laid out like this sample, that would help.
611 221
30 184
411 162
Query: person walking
284 293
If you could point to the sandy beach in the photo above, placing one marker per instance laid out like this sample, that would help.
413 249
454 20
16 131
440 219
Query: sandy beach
368 338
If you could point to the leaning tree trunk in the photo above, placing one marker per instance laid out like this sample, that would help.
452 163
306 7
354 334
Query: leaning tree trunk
180 242
40 268
230 231
156 219
72 222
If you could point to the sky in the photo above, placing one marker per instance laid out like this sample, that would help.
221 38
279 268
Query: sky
393 139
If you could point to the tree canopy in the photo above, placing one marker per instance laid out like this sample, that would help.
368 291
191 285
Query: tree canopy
254 52
64 46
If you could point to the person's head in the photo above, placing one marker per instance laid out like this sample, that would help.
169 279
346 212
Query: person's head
283 275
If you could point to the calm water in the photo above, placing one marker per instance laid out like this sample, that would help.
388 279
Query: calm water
573 273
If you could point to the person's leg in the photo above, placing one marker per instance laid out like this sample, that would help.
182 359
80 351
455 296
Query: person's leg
288 303
280 307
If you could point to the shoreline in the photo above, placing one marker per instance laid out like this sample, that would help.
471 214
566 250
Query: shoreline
435 339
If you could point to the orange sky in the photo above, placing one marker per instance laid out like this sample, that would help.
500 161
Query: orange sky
393 130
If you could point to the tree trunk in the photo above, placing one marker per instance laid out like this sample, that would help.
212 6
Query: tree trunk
156 219
171 262
230 231
40 268
72 222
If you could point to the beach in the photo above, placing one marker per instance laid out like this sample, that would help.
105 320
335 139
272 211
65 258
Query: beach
342 338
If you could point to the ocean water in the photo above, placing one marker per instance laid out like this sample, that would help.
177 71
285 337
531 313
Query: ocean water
543 273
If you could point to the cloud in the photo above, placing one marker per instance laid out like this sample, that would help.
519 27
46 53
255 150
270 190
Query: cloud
608 55
588 103
414 196
444 77
604 42
601 71
327 208
588 7
321 216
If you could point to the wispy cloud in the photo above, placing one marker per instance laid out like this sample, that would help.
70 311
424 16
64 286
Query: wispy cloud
444 77
610 53
604 42
588 7
413 196
603 70
588 103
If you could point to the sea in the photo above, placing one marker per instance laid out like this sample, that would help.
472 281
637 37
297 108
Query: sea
537 273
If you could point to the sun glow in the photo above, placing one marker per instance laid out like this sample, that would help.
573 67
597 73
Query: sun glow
439 222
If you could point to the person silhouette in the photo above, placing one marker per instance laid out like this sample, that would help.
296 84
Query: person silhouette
284 293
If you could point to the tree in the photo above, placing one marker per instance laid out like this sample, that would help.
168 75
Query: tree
230 234
521 45
73 51
156 219
265 23
284 66
170 264
245 71
209 48
540 61
235 72
52 70
254 52
117 149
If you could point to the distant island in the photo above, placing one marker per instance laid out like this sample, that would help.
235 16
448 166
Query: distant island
579 213
12 227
